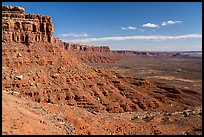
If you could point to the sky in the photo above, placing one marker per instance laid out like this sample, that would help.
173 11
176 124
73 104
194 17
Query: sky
139 26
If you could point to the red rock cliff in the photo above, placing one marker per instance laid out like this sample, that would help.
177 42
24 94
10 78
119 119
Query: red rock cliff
19 27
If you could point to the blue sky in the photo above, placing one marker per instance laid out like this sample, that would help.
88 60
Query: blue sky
142 26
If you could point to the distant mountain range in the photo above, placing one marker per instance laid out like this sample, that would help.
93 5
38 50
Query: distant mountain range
189 53
160 53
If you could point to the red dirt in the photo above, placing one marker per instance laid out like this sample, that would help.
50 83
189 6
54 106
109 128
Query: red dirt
80 99
48 90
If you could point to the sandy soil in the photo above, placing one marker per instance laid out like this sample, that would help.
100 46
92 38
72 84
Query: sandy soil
23 116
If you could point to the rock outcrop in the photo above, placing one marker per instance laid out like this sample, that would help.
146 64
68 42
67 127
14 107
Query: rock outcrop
91 54
80 47
87 53
45 87
19 27
48 73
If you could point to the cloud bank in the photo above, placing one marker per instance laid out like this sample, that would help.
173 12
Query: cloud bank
74 35
170 22
150 37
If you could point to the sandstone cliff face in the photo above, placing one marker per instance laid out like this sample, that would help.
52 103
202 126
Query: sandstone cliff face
91 54
80 47
19 27
88 54
60 84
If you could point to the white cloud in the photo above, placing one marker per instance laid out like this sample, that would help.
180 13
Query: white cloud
170 22
150 37
74 35
151 25
129 28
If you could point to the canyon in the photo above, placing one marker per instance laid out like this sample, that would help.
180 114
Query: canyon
49 85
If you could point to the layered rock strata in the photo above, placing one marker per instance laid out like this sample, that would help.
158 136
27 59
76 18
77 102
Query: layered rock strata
48 73
19 27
